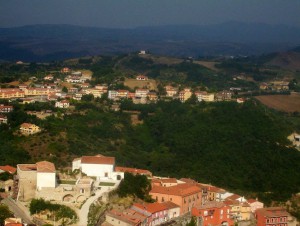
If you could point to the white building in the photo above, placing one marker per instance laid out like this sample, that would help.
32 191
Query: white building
3 119
35 177
112 94
204 96
142 93
62 104
46 175
98 166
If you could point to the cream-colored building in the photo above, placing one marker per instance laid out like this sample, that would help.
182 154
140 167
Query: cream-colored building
34 177
8 93
205 96
185 94
29 129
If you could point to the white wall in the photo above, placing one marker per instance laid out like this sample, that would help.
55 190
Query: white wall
76 164
46 180
172 213
97 170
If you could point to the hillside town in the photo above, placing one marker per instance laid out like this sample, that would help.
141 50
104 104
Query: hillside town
175 201
92 178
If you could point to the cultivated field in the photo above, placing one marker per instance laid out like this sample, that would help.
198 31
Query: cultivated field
286 103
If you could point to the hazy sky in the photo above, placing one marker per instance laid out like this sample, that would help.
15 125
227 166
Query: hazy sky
133 13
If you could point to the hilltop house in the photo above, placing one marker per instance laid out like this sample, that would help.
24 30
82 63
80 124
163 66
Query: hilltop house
98 166
142 78
62 104
185 94
205 96
29 129
6 109
255 204
3 119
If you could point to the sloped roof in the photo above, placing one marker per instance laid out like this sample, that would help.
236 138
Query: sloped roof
272 212
97 160
151 207
178 190
45 167
8 169
132 170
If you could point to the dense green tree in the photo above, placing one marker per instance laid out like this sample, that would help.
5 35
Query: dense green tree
4 213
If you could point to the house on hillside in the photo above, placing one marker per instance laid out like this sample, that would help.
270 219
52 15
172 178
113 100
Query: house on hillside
98 166
6 108
185 94
3 119
29 129
184 195
62 104
142 78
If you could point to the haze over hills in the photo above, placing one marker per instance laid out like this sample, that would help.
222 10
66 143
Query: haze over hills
56 42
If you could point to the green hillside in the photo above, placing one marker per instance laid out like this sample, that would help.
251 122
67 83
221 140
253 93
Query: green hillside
241 147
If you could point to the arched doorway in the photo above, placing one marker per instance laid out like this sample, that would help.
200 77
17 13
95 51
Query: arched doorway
68 198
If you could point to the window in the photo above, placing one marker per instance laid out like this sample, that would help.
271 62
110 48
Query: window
170 199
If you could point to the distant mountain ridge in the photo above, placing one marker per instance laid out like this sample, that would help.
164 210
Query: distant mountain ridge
44 42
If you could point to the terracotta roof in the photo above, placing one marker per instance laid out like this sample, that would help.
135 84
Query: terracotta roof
252 200
98 160
215 189
212 204
272 212
26 125
188 181
3 116
233 197
130 216
8 169
27 167
170 205
14 224
168 180
132 170
230 202
45 167
151 207
178 190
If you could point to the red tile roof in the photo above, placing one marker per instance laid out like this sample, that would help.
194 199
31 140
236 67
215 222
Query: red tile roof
133 170
98 160
272 212
45 167
188 181
177 190
129 216
170 205
8 169
169 180
151 207
26 125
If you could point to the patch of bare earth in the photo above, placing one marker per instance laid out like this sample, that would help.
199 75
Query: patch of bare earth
209 64
285 103
148 84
